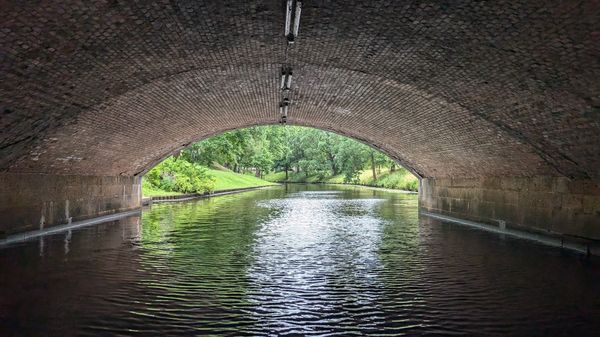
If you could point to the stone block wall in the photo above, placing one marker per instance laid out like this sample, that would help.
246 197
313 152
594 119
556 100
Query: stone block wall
37 201
551 205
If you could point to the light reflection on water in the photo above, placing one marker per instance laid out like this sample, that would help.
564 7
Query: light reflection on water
295 260
300 252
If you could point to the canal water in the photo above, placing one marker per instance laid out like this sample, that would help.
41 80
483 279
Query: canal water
295 260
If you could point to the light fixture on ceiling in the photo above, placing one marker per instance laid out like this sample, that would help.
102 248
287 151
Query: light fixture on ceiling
283 110
283 78
291 32
297 18
283 107
285 103
286 79
288 83
288 16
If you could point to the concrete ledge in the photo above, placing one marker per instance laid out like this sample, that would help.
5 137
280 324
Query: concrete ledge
554 206
61 228
190 196
38 201
588 247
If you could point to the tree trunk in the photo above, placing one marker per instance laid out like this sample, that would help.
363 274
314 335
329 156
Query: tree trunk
373 165
393 168
331 158
286 172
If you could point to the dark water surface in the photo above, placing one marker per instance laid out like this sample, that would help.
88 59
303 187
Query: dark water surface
301 260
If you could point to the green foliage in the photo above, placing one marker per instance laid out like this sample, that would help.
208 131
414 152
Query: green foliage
251 148
306 154
149 190
226 180
400 179
179 175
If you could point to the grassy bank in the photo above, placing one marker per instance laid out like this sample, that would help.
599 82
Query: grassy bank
224 180
399 179
151 191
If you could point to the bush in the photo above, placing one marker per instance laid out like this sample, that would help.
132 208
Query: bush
179 175
352 177
400 179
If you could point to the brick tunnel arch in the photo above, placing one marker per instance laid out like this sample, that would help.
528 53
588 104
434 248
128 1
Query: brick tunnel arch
125 134
490 97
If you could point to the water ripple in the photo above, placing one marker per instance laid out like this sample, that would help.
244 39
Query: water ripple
299 260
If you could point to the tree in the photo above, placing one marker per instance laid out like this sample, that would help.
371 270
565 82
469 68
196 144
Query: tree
313 152
352 157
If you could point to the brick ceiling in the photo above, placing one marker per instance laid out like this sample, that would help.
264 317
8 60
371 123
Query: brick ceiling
448 88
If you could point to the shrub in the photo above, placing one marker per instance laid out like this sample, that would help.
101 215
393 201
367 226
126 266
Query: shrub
400 179
179 175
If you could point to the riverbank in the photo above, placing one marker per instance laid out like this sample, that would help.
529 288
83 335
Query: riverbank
146 201
396 180
225 181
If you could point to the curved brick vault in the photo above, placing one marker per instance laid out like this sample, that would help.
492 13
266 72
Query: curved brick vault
448 88
451 89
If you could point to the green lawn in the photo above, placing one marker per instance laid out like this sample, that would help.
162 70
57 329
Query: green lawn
151 191
225 180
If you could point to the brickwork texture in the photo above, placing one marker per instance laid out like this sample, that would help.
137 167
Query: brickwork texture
35 201
551 205
450 89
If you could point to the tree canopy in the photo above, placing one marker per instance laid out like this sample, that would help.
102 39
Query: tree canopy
292 148
264 149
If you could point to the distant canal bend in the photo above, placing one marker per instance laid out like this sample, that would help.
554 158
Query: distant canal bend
295 260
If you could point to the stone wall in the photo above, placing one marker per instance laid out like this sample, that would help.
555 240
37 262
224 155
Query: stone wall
551 205
35 201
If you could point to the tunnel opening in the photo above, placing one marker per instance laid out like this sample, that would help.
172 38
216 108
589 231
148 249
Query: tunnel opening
273 154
